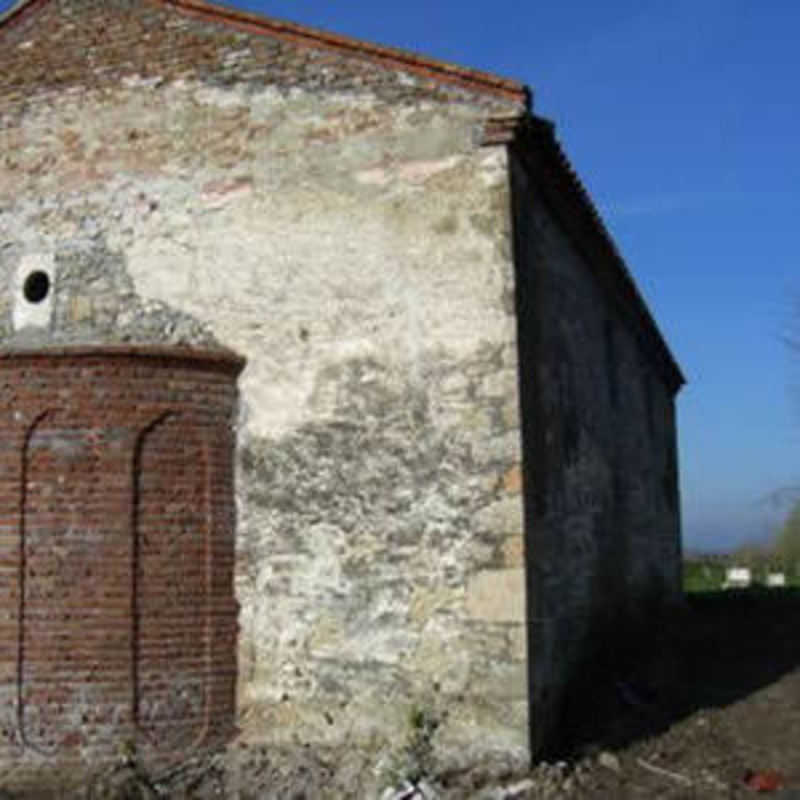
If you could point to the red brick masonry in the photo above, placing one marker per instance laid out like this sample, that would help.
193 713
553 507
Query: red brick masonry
117 613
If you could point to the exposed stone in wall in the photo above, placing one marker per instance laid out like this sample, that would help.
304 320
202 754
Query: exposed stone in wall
340 226
356 250
80 45
380 515
93 301
190 185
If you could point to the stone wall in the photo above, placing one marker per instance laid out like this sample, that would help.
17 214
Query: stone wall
602 496
354 246
332 212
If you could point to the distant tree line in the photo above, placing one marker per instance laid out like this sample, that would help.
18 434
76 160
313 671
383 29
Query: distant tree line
706 571
786 545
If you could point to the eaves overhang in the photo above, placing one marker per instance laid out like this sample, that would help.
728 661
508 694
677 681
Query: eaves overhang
533 139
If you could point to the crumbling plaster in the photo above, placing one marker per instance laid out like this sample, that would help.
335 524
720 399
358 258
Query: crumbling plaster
357 252
413 304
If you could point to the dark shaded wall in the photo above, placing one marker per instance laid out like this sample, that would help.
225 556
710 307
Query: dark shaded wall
601 493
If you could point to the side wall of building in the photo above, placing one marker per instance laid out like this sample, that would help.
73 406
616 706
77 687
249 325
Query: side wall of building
601 473
356 251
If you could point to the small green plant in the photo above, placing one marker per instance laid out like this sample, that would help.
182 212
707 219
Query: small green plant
423 724
414 761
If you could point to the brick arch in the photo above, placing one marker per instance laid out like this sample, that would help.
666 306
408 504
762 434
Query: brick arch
172 574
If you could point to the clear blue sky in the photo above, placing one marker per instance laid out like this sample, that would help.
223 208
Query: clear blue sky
683 119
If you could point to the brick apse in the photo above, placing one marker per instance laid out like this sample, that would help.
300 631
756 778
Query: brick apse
117 551
455 462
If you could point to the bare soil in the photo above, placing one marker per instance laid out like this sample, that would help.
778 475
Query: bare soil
717 700
712 699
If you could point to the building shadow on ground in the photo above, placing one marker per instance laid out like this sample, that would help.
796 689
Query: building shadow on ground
720 648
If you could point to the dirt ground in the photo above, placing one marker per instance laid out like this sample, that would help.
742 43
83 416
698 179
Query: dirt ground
715 701
719 700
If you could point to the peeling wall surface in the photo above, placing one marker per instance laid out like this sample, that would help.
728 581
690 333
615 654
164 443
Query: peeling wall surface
347 228
354 245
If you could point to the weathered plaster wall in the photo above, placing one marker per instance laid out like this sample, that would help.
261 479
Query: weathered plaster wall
356 250
340 225
602 504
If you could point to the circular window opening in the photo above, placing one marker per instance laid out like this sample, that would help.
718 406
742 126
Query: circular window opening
37 286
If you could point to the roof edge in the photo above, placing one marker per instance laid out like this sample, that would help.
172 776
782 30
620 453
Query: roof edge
394 58
442 71
18 11
535 140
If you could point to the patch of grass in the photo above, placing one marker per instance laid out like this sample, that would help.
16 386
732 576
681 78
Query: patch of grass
701 576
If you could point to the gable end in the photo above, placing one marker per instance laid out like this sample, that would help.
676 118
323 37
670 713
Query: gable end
198 31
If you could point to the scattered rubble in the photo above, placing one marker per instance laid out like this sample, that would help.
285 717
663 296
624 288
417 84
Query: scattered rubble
609 761
765 781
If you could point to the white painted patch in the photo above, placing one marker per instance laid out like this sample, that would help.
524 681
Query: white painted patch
494 167
139 82
220 98
373 177
406 79
27 314
264 103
